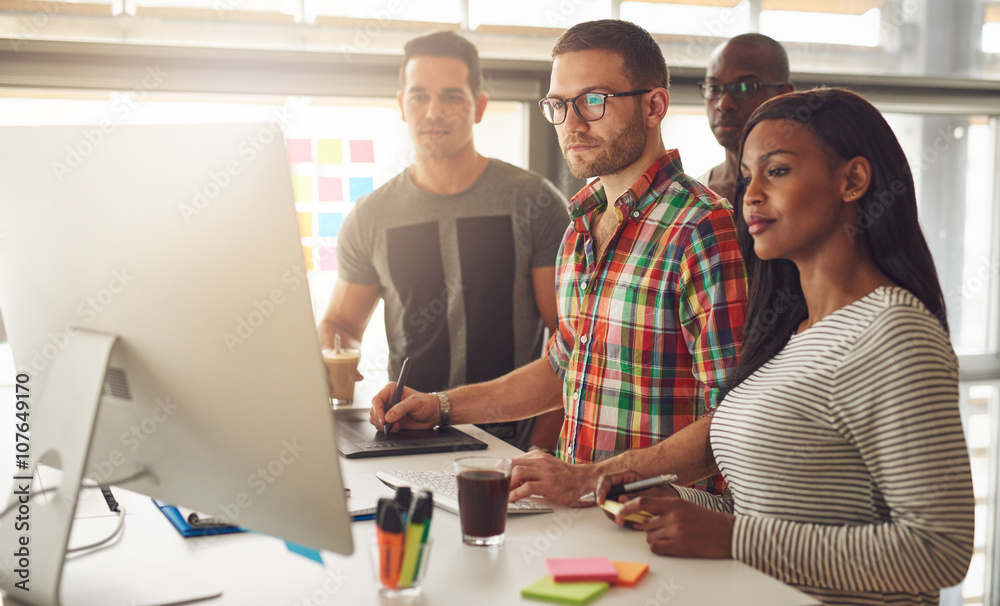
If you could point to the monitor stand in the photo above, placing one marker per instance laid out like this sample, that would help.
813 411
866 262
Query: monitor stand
62 424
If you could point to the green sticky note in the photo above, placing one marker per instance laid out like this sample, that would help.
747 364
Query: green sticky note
330 151
302 188
548 590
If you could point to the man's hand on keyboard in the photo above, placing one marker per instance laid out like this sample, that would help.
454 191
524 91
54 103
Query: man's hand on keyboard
544 475
415 410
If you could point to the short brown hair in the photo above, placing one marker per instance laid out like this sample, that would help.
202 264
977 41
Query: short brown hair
443 44
645 66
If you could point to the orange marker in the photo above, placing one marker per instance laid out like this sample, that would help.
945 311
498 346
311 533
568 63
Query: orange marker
389 527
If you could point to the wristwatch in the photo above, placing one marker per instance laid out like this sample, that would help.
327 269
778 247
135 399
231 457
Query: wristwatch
444 409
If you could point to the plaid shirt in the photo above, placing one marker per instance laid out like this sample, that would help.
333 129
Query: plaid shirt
648 333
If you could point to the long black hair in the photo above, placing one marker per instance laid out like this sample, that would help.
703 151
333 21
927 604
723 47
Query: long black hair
848 127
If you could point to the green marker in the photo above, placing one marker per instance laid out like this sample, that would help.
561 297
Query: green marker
416 536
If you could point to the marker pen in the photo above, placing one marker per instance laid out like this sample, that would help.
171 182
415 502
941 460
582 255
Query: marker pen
389 528
404 498
416 537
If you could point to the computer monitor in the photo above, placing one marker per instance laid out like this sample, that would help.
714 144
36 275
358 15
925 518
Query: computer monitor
154 276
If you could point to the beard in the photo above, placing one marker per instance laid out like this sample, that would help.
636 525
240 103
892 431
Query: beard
621 152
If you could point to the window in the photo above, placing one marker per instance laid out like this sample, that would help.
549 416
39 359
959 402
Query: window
339 150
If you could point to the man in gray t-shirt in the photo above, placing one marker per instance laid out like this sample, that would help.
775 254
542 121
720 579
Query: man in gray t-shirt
460 247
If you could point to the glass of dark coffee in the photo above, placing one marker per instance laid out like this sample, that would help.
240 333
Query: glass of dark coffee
483 483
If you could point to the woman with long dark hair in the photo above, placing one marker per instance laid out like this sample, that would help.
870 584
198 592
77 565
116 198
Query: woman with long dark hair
840 439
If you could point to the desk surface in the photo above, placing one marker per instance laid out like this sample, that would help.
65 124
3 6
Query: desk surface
254 569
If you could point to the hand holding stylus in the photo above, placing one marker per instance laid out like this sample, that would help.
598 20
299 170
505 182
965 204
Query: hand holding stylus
400 384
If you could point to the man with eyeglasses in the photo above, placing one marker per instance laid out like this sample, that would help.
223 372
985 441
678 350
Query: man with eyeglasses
651 284
460 247
742 73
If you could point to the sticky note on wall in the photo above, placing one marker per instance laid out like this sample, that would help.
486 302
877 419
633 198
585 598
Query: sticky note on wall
302 188
308 252
361 186
306 225
329 224
362 150
330 151
299 150
328 258
331 189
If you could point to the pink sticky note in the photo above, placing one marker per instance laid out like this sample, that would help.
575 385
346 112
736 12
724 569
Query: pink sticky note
572 570
362 150
328 258
300 150
331 189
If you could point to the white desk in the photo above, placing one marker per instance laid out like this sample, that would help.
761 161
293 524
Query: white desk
254 569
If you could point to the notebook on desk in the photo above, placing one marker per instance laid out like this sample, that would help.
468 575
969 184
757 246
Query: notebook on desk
357 438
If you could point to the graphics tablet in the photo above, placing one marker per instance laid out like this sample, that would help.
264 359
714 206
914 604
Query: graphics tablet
357 438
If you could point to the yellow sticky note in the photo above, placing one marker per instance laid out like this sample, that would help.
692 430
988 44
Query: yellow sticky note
302 187
613 507
330 151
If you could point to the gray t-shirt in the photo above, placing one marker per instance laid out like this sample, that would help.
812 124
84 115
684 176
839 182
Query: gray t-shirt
455 271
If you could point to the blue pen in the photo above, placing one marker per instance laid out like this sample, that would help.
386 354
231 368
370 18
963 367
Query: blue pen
400 383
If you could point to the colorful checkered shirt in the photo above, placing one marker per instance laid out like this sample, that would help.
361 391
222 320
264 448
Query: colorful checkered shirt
648 333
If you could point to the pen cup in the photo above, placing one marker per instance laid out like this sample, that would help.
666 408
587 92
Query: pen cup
399 572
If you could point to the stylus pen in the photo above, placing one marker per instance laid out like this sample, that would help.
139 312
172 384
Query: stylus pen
620 489
400 384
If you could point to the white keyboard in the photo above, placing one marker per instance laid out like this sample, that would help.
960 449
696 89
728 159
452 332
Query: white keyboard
445 489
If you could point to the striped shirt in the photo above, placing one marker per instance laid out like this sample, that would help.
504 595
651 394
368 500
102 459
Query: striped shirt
846 460
648 332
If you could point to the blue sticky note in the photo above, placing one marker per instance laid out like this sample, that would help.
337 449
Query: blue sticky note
329 224
306 552
361 186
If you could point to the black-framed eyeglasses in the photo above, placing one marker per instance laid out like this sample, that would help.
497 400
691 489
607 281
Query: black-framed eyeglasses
592 108
737 90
